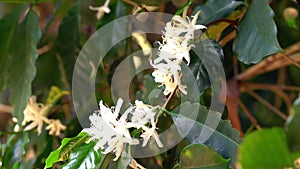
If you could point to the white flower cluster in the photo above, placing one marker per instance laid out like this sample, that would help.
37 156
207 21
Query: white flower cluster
111 131
175 46
36 114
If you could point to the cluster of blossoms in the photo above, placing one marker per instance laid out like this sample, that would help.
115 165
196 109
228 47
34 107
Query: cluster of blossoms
175 47
36 114
110 130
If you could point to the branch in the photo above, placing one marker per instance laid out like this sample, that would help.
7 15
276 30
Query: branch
268 105
6 109
271 63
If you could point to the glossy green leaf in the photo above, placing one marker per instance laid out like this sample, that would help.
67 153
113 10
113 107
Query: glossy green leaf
15 150
20 54
66 148
293 127
267 149
83 156
208 129
215 9
257 33
199 156
209 50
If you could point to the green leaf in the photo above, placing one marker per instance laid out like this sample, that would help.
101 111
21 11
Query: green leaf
267 149
67 44
20 54
211 50
14 150
66 148
215 9
199 156
257 33
24 1
83 156
152 95
8 25
208 129
293 127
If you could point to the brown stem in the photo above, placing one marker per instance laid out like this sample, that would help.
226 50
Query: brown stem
271 86
280 81
275 88
6 108
247 112
169 98
227 38
270 63
268 105
292 61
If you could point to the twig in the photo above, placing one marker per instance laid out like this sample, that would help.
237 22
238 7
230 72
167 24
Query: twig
268 63
227 38
271 86
6 109
247 112
280 81
170 97
275 88
268 105
292 61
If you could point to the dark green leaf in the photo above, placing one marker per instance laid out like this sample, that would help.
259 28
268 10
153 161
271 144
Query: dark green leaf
83 156
8 25
209 129
64 7
211 50
47 148
20 53
293 127
66 148
152 94
67 44
267 149
216 9
25 1
257 33
151 2
199 156
14 150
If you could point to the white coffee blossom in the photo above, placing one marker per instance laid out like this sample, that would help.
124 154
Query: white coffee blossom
101 10
55 127
175 47
110 130
35 114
